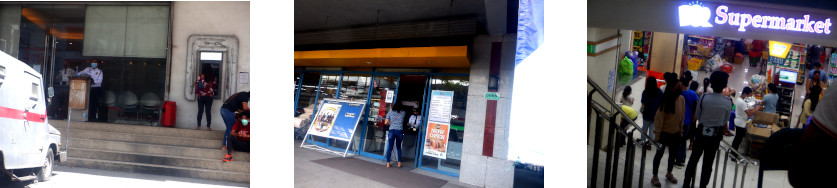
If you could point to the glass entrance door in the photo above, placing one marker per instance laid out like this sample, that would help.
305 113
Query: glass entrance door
383 95
51 43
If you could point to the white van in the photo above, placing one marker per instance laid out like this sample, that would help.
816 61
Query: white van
29 146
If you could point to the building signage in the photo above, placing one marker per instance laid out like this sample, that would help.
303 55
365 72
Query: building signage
492 96
697 15
390 96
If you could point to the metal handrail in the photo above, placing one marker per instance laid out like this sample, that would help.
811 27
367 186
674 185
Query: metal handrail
597 89
729 147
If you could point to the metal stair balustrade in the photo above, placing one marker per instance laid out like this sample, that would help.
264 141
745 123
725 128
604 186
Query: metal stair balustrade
602 113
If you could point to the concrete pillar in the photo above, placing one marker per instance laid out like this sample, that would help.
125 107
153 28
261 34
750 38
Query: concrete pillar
478 169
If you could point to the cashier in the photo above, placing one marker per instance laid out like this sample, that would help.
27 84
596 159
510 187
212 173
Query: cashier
95 89
742 113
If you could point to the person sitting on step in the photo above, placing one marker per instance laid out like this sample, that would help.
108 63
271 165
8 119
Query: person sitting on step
240 140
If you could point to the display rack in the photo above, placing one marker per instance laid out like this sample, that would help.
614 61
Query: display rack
641 41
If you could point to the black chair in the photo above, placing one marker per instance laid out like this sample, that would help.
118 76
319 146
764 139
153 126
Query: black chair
778 151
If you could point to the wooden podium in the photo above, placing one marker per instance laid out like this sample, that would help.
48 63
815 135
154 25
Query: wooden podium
79 98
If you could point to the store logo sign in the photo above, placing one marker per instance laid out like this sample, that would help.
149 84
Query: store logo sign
696 15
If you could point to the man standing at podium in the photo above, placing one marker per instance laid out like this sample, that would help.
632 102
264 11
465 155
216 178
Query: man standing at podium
95 89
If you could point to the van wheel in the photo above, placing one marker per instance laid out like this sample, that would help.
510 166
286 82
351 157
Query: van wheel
45 173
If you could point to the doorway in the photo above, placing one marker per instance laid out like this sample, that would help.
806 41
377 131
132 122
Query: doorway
410 94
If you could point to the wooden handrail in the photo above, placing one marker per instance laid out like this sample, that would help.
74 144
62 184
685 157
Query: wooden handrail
605 40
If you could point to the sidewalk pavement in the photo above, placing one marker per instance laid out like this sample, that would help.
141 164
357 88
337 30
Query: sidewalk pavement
309 173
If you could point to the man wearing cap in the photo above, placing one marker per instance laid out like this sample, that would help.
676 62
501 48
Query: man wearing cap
95 89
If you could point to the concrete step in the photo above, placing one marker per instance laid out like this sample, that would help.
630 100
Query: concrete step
152 149
218 133
241 177
209 164
145 139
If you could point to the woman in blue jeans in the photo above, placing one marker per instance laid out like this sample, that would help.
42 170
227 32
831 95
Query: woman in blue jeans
395 120
237 103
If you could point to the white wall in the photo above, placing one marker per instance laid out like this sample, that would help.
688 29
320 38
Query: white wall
599 67
207 18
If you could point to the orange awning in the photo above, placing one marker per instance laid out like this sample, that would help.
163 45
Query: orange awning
437 56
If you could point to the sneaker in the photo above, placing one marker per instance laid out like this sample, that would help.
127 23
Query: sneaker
208 128
198 128
228 158
679 165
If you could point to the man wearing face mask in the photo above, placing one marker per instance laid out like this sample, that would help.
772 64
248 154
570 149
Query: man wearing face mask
241 136
95 89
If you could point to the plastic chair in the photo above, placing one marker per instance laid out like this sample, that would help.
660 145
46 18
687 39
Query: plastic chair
778 151
129 103
151 103
110 98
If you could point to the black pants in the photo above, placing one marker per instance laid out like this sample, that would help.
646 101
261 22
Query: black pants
205 102
238 145
621 139
672 141
708 146
739 136
93 109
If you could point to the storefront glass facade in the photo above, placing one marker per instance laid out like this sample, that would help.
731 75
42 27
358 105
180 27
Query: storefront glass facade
130 42
372 88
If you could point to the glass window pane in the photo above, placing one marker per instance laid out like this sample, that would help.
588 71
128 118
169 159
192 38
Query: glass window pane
147 31
328 90
354 87
9 29
459 86
104 33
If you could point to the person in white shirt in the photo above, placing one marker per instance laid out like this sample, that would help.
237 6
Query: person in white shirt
742 113
67 73
415 120
95 89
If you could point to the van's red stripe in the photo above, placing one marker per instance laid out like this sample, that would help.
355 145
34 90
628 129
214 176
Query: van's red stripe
16 114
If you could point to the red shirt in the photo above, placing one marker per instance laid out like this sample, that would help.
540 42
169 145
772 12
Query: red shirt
243 128
207 87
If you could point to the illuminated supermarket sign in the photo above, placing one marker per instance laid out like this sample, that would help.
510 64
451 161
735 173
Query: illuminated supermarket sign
697 15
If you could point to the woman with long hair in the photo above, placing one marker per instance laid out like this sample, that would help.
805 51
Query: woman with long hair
650 100
809 105
668 125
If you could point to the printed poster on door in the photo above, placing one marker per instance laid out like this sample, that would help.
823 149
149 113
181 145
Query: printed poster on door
324 121
436 140
441 103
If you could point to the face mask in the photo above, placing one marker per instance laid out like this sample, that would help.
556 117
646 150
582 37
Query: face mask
244 121
94 65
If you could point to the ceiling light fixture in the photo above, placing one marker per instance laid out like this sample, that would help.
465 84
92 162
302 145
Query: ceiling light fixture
368 62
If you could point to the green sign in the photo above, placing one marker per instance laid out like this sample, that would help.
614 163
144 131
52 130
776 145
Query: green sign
491 96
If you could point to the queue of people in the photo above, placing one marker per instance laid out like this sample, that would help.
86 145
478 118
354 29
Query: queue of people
683 111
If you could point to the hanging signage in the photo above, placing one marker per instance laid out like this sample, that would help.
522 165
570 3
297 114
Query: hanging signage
441 103
779 49
436 140
390 95
698 15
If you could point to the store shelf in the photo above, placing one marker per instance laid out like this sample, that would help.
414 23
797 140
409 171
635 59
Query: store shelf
694 36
